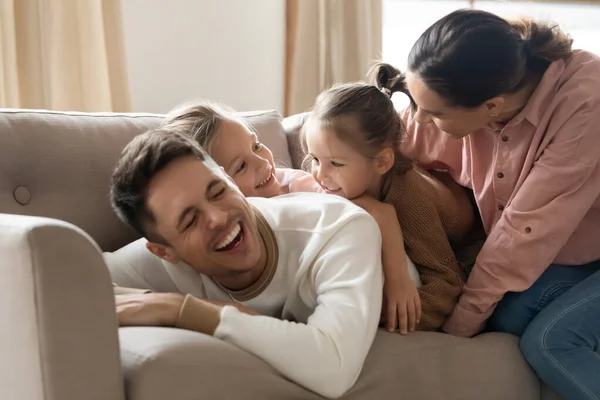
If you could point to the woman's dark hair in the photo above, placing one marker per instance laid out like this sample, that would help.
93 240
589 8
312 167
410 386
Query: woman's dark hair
470 56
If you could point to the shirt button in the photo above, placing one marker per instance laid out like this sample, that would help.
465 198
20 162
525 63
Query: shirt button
505 138
500 207
500 175
528 230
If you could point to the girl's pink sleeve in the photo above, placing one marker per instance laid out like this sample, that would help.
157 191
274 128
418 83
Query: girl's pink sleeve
301 181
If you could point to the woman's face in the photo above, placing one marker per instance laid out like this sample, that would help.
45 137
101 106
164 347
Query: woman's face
458 122
247 161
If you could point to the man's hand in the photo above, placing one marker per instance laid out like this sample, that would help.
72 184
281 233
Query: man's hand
148 309
401 305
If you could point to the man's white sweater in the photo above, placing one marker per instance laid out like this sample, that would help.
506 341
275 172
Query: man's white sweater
320 295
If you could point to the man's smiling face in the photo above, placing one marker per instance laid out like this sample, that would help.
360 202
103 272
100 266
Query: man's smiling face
204 220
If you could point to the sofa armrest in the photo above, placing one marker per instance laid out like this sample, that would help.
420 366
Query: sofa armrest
291 128
59 338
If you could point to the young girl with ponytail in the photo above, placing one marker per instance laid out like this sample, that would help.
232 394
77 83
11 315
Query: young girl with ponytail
351 139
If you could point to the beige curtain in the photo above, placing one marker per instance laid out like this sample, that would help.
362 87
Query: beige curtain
328 41
63 55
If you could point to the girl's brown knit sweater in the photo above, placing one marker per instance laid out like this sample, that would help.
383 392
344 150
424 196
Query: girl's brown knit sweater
432 219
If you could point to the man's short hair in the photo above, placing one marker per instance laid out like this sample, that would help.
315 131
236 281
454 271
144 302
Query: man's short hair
144 157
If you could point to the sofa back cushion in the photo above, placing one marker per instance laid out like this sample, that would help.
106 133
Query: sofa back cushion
58 165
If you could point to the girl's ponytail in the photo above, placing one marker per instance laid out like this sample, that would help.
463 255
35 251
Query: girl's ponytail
386 76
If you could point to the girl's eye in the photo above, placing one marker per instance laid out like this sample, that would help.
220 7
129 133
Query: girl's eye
337 165
257 146
241 167
314 160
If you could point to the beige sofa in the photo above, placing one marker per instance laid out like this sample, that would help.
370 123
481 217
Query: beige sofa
59 338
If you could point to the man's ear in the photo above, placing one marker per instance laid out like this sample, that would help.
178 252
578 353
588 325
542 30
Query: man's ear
494 106
162 251
385 160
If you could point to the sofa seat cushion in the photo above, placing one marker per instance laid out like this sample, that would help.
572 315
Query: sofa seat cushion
166 363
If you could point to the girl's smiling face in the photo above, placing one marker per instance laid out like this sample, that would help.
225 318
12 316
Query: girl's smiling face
336 166
247 161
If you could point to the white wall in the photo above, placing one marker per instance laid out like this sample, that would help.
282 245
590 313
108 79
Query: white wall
227 50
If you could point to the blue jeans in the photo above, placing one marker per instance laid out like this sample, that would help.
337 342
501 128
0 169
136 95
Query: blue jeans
559 321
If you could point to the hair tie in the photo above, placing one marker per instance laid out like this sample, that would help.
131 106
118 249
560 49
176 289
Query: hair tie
386 91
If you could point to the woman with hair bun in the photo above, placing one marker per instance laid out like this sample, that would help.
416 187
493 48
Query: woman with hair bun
512 112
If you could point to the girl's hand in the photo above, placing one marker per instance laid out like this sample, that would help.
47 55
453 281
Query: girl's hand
401 305
401 302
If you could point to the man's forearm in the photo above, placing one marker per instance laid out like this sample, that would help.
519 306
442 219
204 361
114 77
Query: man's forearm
204 316
175 314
